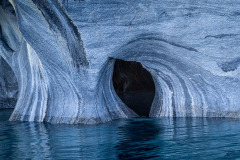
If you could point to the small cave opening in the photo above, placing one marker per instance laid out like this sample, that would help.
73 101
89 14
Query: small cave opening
134 85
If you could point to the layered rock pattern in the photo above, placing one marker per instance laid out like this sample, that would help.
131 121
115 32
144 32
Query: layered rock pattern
8 86
191 49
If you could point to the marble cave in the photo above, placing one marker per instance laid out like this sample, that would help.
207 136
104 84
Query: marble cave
94 61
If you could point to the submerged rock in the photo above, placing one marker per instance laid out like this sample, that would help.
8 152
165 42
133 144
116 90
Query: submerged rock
190 49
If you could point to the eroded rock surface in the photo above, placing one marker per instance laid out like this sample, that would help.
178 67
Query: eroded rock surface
191 49
8 86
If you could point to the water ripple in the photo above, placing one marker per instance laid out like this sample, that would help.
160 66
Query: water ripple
139 138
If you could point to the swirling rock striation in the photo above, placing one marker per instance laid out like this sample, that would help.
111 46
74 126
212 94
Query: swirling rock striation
191 50
8 86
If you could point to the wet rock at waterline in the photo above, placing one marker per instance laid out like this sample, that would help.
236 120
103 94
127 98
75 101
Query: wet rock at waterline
63 55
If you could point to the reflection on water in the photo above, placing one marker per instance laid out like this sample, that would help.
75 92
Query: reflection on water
180 138
137 139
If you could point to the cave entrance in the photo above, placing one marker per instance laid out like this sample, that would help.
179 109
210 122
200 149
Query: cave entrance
134 85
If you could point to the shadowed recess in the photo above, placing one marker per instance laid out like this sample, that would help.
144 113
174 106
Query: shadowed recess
134 85
8 86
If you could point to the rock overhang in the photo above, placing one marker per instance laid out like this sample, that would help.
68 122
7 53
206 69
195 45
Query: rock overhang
191 51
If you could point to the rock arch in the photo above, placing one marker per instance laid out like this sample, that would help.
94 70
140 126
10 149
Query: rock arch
180 90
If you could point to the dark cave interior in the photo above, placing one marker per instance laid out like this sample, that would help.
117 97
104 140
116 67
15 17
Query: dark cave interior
134 85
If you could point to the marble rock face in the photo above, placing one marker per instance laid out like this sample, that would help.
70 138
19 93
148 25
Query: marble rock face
8 86
63 53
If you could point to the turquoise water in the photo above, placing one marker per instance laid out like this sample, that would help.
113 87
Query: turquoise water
179 138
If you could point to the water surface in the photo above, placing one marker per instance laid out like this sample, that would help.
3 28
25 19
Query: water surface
140 138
